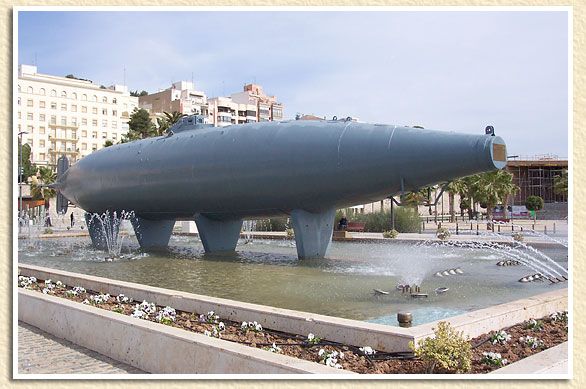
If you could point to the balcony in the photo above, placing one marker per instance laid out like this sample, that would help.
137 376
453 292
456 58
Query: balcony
64 151
63 138
73 127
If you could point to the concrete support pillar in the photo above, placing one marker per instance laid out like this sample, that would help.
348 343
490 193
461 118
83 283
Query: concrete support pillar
218 235
313 232
152 234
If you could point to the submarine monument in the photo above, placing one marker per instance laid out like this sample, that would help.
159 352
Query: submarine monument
219 176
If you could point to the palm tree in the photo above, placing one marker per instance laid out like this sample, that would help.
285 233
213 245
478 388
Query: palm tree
173 117
493 188
39 189
454 187
162 126
560 183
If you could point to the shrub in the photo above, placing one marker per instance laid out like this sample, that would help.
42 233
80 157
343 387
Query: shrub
406 220
290 232
392 234
442 233
449 349
272 224
48 231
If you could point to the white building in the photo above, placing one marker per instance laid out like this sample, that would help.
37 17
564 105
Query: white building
69 116
181 97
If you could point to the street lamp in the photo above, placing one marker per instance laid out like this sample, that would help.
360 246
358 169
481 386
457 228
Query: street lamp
20 172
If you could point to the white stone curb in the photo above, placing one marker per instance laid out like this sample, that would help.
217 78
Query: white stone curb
152 347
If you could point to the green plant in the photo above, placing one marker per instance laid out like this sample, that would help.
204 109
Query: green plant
535 325
48 231
392 234
442 233
448 349
534 203
290 232
493 359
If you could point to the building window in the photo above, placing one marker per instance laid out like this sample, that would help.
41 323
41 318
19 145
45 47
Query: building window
63 121
42 155
114 113
114 136
53 105
104 99
83 109
42 130
53 119
74 96
84 134
94 98
84 122
42 117
94 135
30 90
74 121
94 110
95 122
114 100
94 147
29 103
104 123
19 88
41 104
29 116
84 146
63 94
73 108
104 111
29 129
53 92
19 114
114 124
18 101
63 107
42 143
104 135
83 97
42 91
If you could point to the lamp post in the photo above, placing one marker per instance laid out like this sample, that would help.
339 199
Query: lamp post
20 168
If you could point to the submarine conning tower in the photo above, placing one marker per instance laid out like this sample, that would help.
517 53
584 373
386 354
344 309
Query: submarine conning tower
219 176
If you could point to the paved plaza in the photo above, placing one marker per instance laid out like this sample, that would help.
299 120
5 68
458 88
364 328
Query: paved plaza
42 353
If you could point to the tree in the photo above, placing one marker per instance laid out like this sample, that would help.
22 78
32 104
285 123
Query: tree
140 126
454 187
534 204
39 189
493 188
108 143
27 168
560 183
136 93
173 117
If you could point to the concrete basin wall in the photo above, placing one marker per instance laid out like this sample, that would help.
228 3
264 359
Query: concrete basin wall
153 347
352 332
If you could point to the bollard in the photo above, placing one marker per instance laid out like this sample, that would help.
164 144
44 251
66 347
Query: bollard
405 319
439 225
521 228
533 227
512 227
545 230
457 231
499 228
470 226
477 233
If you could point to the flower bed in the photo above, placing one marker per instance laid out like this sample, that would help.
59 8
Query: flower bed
490 351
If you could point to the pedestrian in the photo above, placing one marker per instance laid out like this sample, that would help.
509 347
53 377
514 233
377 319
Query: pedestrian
48 219
72 220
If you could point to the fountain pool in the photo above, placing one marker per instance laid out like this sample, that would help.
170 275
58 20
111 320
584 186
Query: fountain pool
268 272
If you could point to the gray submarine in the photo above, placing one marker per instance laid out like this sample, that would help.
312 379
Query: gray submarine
219 176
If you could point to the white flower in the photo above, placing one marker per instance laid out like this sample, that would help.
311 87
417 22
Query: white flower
221 326
207 333
244 325
32 279
60 284
78 289
86 301
321 352
258 327
310 337
46 290
367 350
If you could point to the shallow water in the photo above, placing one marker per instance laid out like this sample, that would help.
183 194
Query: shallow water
268 272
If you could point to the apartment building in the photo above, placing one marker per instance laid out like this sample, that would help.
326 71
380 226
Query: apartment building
180 97
224 111
69 116
267 107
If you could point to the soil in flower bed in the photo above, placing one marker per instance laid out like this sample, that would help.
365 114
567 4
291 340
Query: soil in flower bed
551 333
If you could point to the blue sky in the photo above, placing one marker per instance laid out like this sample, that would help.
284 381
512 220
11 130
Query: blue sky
452 70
